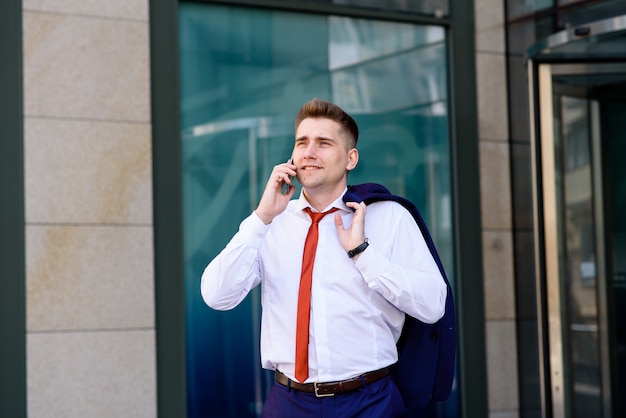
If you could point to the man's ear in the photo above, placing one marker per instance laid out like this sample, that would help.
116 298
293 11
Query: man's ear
353 159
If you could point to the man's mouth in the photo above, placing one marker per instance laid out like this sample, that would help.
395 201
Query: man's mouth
308 167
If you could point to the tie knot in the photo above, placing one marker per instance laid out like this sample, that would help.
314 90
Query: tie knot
317 216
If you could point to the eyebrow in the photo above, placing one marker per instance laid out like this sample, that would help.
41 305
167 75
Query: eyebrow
320 138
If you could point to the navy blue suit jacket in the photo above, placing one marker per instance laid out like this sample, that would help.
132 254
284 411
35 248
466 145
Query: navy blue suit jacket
426 352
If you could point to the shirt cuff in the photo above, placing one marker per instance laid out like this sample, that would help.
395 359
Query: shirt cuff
370 265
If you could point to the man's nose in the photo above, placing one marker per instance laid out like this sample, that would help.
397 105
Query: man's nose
310 151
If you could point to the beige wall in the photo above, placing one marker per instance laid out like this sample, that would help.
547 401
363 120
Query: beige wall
89 248
495 185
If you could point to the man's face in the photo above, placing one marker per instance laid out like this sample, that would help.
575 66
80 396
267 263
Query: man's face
322 156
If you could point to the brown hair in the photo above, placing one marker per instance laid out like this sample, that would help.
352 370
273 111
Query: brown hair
318 108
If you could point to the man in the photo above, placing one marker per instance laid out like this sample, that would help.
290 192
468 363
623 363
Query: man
330 320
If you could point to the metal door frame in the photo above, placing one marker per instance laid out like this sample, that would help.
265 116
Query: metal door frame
545 212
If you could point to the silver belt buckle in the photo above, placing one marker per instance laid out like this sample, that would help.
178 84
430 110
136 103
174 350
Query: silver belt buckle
321 395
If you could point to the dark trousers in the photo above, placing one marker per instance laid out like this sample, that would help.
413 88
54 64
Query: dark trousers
380 399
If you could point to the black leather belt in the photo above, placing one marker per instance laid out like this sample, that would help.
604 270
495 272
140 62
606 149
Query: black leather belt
332 388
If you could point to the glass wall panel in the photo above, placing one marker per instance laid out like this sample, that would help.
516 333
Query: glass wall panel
519 38
579 255
244 74
516 8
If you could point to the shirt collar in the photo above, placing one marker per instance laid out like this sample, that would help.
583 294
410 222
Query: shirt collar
302 203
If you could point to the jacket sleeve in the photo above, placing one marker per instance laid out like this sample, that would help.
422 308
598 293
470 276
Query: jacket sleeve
235 271
400 267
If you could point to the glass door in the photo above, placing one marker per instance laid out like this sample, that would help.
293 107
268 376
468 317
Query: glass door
579 192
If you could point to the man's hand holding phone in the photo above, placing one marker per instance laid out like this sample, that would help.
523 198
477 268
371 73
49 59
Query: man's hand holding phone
278 191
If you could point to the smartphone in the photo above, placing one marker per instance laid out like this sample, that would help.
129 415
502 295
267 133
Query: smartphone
286 186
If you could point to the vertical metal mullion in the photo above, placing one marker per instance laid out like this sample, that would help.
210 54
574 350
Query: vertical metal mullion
13 392
602 278
542 333
464 148
167 215
549 236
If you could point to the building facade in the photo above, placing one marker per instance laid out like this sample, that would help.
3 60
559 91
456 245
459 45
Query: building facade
124 128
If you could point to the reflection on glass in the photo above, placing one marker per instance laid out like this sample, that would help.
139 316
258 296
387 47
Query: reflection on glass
523 35
578 254
589 12
372 62
354 41
244 74
516 8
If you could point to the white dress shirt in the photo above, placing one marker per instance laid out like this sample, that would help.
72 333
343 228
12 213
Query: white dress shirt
357 306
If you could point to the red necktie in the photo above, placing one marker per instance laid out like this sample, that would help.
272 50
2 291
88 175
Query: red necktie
304 296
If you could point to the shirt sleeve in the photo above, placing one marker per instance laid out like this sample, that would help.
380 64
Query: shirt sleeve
235 271
400 267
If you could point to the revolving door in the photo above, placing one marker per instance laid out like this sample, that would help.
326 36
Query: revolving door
578 90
